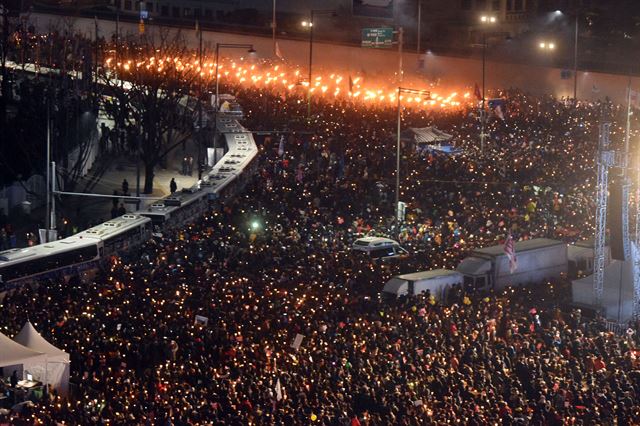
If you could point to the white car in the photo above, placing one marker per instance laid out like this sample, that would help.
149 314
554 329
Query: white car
379 247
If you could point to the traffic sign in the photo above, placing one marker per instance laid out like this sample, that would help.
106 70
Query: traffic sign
377 37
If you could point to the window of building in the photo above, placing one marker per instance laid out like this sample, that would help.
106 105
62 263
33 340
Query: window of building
465 5
164 10
518 6
481 4
137 5
149 6
186 12
176 12
495 6
127 4
208 14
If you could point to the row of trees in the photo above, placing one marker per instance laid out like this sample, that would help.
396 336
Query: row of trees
147 83
151 85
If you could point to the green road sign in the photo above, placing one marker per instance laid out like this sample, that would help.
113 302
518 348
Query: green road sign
377 37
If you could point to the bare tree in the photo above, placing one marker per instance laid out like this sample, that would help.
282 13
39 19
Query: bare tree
154 82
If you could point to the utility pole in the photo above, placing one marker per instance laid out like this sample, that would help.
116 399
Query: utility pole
483 111
273 28
52 218
48 156
95 65
200 137
310 66
5 45
575 63
400 42
419 25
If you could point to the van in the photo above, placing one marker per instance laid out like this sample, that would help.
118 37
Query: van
379 247
437 282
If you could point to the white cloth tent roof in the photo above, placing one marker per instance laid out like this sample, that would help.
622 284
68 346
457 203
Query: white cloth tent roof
618 275
617 297
430 135
30 338
12 353
57 365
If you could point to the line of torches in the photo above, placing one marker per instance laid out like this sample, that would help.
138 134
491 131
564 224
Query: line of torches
284 78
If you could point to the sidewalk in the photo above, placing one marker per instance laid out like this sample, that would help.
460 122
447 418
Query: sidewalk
97 210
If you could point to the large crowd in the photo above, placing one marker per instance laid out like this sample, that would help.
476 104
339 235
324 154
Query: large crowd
275 262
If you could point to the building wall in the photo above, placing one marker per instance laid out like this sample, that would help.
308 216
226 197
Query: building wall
381 64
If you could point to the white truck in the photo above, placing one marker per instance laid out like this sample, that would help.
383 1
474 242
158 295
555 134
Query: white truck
537 260
437 282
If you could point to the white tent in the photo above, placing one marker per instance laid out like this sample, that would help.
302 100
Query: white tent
430 135
14 356
432 139
618 290
58 364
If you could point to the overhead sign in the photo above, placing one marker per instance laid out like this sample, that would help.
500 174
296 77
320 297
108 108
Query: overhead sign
377 37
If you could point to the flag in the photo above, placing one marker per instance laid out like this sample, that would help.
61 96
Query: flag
278 52
510 250
477 92
278 390
350 84
281 146
498 106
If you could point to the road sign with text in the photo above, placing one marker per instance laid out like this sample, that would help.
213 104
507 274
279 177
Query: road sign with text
377 37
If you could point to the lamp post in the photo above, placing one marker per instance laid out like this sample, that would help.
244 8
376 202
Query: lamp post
309 24
575 63
419 24
484 20
216 106
402 90
273 28
200 138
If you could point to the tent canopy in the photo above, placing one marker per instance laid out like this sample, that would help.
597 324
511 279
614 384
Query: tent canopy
618 290
30 338
430 135
12 353
57 369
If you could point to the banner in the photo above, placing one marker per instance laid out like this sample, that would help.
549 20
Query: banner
297 341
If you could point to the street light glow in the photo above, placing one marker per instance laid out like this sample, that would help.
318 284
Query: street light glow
307 24
488 19
547 45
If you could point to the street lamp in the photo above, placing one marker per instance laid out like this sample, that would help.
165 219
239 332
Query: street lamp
402 90
216 106
547 45
309 24
485 20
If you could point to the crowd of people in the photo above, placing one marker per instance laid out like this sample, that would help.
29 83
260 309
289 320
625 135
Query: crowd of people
291 327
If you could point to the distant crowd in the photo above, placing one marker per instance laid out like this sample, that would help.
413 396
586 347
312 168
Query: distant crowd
273 266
